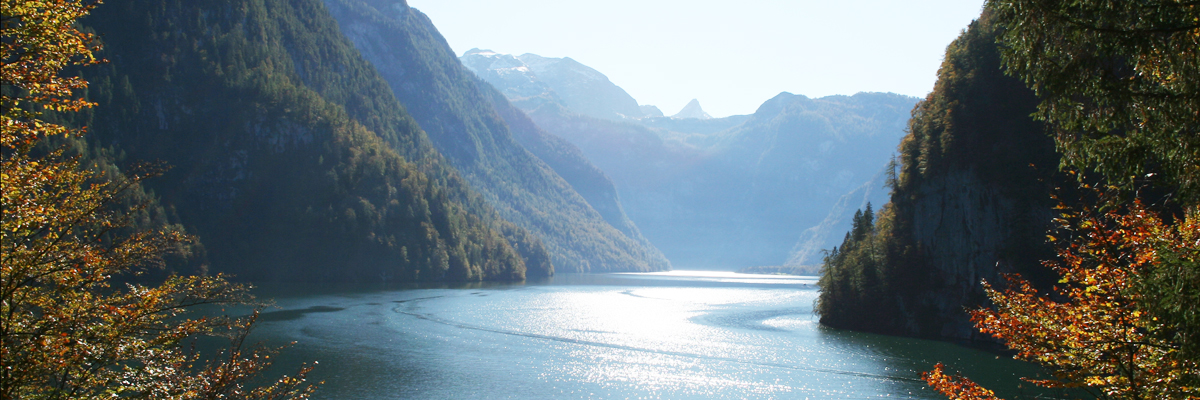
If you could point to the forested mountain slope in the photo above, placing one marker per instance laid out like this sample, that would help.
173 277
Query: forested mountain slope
446 100
972 201
290 157
569 163
719 192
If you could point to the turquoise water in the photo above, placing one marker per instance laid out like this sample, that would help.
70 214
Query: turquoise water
674 335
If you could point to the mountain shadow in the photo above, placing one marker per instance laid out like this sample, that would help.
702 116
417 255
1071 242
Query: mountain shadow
290 157
446 100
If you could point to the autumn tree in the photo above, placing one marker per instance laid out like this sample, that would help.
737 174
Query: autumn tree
1120 89
1095 334
67 330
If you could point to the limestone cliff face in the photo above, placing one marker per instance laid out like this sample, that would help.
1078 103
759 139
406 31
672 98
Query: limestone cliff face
972 201
961 222
975 188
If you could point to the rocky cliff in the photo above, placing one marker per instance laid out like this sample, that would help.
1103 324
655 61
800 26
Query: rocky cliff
972 201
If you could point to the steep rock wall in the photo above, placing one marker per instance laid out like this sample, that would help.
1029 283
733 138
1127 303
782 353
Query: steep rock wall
973 200
962 224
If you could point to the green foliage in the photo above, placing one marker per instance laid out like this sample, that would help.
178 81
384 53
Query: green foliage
1120 82
975 118
1117 86
464 126
569 163
1174 297
854 275
67 232
292 159
974 123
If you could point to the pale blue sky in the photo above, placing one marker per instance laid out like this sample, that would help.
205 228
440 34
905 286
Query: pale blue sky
731 55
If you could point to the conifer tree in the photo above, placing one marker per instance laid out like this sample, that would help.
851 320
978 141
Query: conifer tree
1120 83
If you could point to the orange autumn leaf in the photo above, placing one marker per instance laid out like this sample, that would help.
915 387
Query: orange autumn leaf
1095 332
65 330
956 387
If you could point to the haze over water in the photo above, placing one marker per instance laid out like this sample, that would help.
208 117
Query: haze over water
668 335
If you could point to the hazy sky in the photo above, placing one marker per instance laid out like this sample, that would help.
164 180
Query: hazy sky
731 55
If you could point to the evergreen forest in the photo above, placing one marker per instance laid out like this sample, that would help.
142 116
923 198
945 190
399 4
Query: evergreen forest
242 125
1043 201
160 157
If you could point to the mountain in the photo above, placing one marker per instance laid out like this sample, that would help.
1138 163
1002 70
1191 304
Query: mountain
810 248
796 157
972 201
568 162
530 80
516 79
692 110
290 158
462 120
650 111
694 131
741 196
723 192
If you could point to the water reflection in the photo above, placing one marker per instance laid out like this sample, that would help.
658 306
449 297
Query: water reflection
661 335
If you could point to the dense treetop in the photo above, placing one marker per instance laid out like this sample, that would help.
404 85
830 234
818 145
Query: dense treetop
291 159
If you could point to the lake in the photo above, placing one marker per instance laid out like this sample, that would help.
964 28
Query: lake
669 335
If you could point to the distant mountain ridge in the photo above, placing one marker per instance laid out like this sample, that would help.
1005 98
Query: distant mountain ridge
530 80
744 195
815 241
515 77
742 190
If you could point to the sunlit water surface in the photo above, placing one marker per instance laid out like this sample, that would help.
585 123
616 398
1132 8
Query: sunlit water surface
671 335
